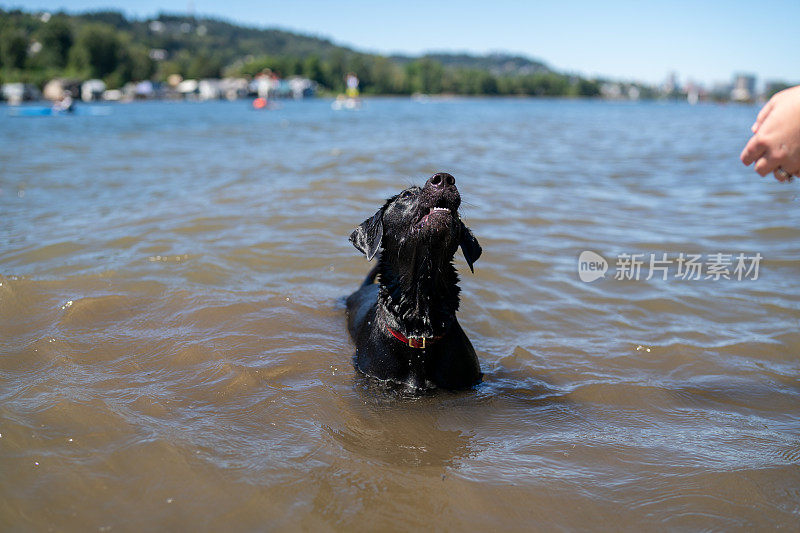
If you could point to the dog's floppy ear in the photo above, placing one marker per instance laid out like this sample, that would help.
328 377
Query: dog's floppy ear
367 236
469 246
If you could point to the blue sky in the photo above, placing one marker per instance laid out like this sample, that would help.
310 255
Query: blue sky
703 41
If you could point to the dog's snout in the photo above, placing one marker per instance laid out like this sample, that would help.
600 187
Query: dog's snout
441 180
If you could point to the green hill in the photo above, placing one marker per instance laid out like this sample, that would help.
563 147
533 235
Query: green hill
36 47
497 64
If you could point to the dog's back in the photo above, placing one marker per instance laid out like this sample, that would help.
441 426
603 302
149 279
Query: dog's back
361 303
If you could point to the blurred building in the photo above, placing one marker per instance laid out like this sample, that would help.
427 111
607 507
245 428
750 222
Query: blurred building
671 86
772 87
302 87
92 90
16 93
57 88
209 89
744 88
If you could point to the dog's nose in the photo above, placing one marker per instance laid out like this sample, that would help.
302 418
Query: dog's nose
442 180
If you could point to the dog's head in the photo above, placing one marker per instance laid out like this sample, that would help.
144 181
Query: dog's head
419 223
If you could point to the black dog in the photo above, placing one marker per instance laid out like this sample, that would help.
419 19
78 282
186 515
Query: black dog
405 329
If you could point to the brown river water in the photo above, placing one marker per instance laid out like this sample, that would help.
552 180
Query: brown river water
174 355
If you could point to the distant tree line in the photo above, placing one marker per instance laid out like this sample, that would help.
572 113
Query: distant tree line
35 48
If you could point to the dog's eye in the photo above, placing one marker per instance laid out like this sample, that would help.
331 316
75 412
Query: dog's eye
406 194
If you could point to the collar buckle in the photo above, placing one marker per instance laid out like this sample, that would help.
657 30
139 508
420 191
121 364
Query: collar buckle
416 342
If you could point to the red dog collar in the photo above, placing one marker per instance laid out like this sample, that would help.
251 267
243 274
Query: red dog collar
413 342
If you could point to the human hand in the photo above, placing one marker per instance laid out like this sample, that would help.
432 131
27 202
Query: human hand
775 143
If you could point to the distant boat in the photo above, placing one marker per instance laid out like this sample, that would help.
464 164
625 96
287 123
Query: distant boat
45 111
262 103
33 111
342 103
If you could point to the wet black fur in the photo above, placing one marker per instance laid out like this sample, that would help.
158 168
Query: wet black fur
417 294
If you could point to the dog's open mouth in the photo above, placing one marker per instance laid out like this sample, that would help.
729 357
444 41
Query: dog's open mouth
434 212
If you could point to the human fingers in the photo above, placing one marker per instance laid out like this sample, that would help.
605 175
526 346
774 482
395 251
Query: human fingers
762 115
766 164
753 150
782 175
794 171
